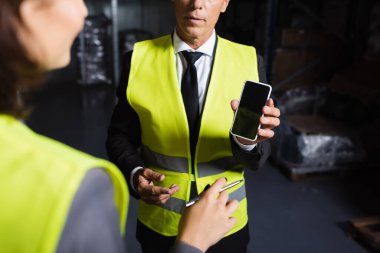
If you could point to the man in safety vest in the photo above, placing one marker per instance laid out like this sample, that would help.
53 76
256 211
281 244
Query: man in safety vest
169 143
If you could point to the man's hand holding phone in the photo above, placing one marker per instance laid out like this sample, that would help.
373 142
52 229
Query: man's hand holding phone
268 121
265 124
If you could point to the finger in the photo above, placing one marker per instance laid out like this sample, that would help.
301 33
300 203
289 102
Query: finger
159 199
173 189
152 201
231 206
266 133
234 104
223 197
270 102
215 187
154 190
163 198
151 190
269 122
271 111
153 175
141 180
142 184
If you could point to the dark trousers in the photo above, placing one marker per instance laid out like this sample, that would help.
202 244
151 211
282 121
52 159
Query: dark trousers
152 242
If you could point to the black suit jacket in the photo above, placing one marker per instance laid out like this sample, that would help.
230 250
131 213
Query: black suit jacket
124 133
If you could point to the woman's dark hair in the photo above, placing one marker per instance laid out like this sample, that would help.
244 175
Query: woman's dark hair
18 74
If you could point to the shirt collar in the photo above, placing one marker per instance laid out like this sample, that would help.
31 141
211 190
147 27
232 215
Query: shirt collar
207 48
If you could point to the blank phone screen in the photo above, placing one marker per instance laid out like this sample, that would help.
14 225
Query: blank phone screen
252 101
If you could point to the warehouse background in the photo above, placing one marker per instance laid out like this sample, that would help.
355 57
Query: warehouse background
323 61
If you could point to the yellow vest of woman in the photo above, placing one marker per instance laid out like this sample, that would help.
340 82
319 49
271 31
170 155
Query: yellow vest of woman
38 181
154 93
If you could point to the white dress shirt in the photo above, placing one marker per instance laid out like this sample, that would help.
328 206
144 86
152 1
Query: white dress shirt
203 66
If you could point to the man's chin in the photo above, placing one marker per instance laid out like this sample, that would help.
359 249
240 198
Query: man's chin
193 32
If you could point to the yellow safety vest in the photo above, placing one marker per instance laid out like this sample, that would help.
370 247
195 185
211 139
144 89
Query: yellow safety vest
38 181
154 93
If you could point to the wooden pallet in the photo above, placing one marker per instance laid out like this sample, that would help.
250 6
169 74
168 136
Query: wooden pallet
366 230
297 172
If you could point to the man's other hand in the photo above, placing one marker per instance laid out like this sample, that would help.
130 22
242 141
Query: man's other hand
144 180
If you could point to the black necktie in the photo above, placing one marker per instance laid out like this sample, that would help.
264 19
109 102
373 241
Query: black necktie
189 90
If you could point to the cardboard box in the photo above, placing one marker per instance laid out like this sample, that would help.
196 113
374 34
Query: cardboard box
359 81
288 62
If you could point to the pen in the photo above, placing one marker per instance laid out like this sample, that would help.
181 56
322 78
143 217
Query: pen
192 201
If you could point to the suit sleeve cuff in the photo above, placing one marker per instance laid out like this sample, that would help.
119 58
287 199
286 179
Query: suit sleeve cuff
132 174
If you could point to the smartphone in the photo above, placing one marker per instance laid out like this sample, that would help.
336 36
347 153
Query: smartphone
246 122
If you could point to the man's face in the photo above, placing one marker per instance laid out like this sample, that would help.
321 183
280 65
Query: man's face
196 19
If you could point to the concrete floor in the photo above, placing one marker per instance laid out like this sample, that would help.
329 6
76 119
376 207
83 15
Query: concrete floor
306 217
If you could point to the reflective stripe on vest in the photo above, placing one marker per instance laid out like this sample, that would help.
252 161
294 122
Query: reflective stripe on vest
172 163
39 179
217 166
180 164
154 94
177 205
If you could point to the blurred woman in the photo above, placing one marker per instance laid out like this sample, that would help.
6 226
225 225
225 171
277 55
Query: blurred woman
54 198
